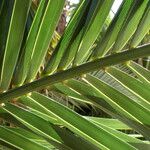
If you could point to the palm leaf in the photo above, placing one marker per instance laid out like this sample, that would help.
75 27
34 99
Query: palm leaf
40 122
24 142
14 39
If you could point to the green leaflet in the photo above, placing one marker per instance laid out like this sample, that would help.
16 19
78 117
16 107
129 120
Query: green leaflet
71 93
127 138
72 29
93 32
69 118
109 122
109 38
27 101
33 122
38 138
119 100
46 30
31 136
1 6
133 141
70 52
5 17
142 29
18 140
73 141
25 60
132 84
95 96
130 26
66 135
97 100
142 73
14 39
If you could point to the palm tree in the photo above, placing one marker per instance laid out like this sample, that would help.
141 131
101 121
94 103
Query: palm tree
89 67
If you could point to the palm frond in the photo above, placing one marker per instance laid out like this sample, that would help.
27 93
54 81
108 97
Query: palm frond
32 120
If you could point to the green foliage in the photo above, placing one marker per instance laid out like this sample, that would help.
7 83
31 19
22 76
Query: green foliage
32 120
